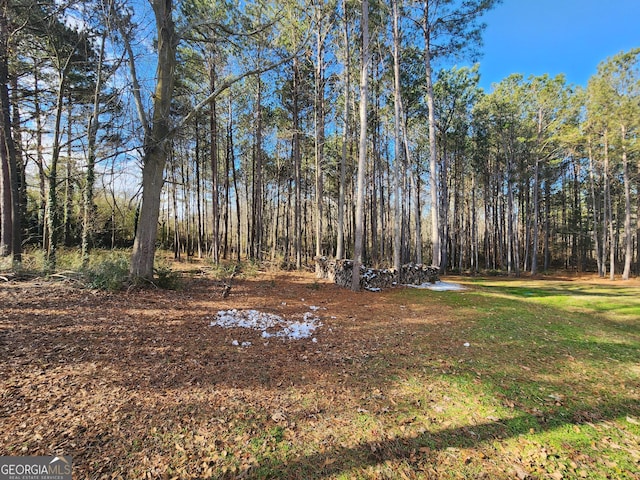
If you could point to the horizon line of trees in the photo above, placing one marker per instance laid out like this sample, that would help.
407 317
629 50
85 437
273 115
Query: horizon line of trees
281 131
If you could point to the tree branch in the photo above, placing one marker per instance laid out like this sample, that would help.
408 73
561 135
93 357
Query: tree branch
225 29
224 86
134 80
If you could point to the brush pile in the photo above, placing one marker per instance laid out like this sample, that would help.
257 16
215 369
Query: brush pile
340 272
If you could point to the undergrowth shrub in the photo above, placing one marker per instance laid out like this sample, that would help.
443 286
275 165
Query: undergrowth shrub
240 270
166 278
32 262
69 259
108 273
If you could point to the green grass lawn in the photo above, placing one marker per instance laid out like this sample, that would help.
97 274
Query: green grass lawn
517 379
550 380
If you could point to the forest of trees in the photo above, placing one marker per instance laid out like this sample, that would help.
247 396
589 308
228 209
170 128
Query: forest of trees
280 131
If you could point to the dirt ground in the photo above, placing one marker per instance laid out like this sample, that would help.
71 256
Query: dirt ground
130 382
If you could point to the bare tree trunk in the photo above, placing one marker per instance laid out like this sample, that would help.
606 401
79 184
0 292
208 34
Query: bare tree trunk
114 205
628 253
488 201
155 146
11 228
612 238
433 153
596 237
547 225
42 198
605 219
250 218
90 178
206 221
510 226
16 126
257 224
185 179
638 221
536 215
443 207
227 160
6 224
53 216
456 232
297 161
174 203
362 159
68 185
235 184
68 204
345 138
372 186
276 220
513 220
415 180
198 189
20 161
213 123
475 267
576 209
319 143
608 210
397 138
287 224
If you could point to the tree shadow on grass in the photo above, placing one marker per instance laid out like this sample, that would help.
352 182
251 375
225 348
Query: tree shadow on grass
418 450
553 290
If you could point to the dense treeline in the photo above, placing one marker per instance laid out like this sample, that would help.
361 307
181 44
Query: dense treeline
254 124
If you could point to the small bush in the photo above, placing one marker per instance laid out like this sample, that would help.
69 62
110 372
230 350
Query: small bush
166 278
222 271
110 273
32 262
242 270
69 259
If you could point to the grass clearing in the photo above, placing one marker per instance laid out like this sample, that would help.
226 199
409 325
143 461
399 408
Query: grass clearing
507 379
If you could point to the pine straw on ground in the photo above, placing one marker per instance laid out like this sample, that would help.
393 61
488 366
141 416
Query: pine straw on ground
137 385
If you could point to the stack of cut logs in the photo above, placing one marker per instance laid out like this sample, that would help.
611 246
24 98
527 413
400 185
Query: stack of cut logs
417 274
340 272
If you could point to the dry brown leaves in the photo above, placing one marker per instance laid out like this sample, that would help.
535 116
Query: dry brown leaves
125 381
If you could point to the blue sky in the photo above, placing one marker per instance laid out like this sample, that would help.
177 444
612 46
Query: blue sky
556 36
